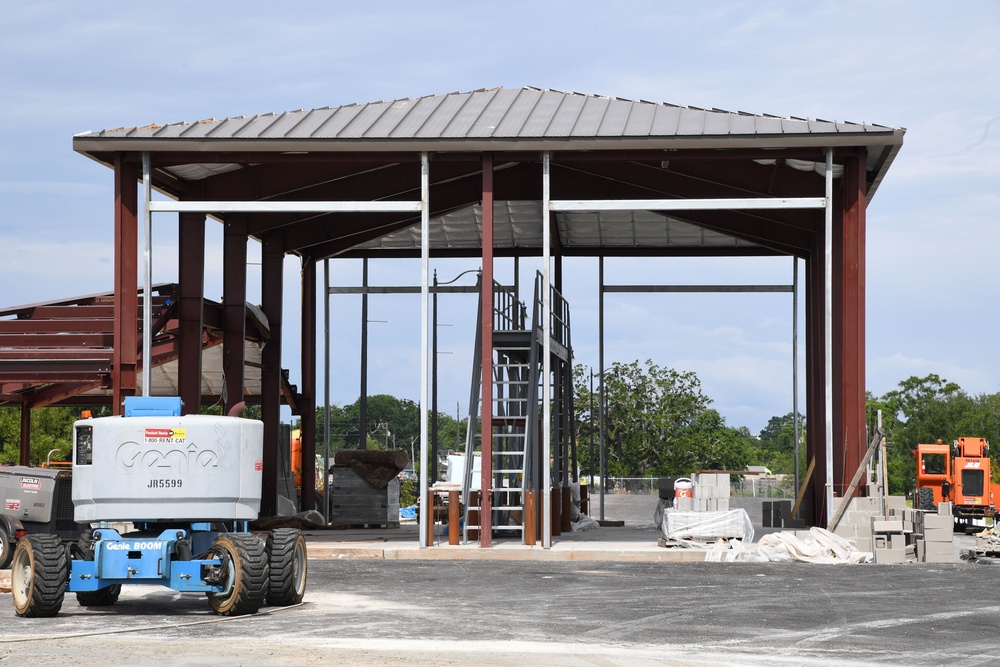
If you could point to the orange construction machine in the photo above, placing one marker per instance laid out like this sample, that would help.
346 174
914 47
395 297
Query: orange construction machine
957 473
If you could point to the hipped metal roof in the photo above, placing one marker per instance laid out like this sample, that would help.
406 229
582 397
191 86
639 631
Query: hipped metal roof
509 122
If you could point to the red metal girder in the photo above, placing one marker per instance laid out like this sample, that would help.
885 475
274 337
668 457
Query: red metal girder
55 340
486 496
815 380
270 382
126 286
60 392
307 399
57 326
850 223
234 291
191 283
55 354
97 311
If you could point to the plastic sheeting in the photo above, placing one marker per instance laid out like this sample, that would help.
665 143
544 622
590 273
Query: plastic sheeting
821 546
697 528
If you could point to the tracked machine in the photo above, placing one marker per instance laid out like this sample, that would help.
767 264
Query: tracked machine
163 499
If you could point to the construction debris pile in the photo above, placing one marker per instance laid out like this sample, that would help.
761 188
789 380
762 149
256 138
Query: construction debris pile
906 535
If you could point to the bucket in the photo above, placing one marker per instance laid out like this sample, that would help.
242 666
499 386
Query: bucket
683 488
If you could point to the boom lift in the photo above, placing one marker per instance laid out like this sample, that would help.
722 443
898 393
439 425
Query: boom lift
165 499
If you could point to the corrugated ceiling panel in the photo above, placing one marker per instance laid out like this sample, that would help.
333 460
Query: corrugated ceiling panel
410 124
467 115
517 113
331 126
566 116
541 116
615 117
640 119
491 117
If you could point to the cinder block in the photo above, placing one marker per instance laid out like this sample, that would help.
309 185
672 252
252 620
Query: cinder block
939 535
920 550
723 504
937 521
863 544
880 542
939 558
938 549
847 531
945 509
889 555
686 504
897 541
896 502
794 523
887 525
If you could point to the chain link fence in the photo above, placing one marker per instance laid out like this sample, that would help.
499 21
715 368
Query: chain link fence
744 486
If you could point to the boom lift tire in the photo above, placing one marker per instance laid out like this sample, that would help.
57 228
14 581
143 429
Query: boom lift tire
6 553
925 499
38 576
244 574
286 559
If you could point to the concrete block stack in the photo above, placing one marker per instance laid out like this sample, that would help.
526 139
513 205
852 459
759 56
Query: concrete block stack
938 542
856 522
711 492
892 540
778 514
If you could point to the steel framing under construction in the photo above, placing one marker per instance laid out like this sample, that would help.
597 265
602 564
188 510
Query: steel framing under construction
491 173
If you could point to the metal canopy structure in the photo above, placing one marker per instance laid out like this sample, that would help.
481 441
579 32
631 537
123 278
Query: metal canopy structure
533 172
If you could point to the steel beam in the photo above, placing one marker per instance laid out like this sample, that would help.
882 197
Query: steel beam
486 442
126 279
234 295
190 300
744 204
272 260
307 404
171 206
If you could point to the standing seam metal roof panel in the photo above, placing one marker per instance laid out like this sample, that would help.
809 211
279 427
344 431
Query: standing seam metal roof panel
615 118
517 114
691 123
541 115
565 116
442 115
336 121
640 119
394 114
411 125
257 126
588 121
493 114
467 115
283 124
356 128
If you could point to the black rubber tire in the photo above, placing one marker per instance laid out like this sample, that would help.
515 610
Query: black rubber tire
6 550
246 584
105 597
287 569
38 576
925 499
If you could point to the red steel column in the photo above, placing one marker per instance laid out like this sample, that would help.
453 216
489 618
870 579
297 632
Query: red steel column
123 359
815 381
234 296
307 401
486 497
272 261
852 321
190 301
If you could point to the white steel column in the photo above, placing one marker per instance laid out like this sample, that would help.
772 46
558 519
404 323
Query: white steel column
147 279
425 245
828 328
546 356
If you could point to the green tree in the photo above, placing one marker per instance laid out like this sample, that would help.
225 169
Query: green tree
51 432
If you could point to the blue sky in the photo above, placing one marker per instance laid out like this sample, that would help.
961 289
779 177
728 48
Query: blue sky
932 272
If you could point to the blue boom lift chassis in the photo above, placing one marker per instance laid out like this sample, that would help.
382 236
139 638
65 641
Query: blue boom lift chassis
239 571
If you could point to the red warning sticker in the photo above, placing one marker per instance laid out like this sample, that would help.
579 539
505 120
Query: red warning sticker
258 465
12 505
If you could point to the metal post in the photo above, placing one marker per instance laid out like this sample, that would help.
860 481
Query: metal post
434 384
795 364
546 357
147 282
600 358
363 397
326 390
591 457
828 326
425 229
